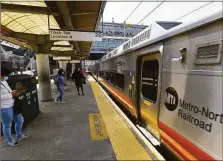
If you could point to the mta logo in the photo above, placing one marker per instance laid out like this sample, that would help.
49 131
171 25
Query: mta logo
171 99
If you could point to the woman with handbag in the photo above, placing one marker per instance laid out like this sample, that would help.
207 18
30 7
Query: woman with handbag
78 78
7 111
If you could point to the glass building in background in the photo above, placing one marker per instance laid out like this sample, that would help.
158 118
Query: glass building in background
113 36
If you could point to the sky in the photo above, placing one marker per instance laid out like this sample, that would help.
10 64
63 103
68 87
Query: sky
167 11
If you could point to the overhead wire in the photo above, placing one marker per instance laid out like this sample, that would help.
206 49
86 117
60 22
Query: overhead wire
133 11
124 23
194 10
177 18
158 7
149 14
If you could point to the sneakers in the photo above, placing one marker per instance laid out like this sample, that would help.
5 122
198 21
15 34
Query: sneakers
13 144
55 100
22 138
17 140
61 102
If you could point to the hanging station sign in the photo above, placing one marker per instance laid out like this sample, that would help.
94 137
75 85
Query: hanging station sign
62 58
63 35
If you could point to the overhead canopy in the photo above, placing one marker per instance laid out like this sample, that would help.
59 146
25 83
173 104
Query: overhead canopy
32 17
26 22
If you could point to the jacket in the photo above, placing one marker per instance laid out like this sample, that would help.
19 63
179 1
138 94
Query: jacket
78 78
60 81
7 100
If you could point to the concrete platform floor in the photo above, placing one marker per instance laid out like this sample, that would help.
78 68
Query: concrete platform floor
61 132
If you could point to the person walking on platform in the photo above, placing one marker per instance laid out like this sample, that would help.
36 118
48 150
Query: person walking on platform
78 78
60 86
8 112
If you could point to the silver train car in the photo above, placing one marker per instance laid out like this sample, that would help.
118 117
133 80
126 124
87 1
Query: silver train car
171 82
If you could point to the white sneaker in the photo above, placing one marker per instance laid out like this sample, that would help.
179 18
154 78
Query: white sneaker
55 100
13 144
62 102
22 138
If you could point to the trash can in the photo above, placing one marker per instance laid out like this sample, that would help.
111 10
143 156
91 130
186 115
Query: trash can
29 98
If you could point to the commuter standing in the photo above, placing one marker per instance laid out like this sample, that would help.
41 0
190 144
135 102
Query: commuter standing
78 78
60 86
7 111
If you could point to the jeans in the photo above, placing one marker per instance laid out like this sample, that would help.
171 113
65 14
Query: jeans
6 117
18 118
60 97
80 86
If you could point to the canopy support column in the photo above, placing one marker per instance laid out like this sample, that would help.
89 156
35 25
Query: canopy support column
43 71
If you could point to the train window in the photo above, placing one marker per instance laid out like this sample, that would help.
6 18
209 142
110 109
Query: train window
107 76
112 78
149 81
101 73
120 80
104 75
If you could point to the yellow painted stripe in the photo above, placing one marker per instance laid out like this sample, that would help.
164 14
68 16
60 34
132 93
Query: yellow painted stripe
147 103
116 95
124 143
97 127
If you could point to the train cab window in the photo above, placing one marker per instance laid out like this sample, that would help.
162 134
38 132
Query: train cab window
120 82
149 81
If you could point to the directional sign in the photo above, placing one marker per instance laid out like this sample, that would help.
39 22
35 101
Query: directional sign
75 35
62 58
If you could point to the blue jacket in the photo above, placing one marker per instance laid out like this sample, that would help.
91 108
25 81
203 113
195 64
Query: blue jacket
60 81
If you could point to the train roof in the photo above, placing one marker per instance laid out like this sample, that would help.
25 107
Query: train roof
169 29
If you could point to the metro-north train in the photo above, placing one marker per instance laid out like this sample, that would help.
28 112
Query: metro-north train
169 77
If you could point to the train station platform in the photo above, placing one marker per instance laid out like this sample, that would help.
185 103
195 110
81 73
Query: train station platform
84 128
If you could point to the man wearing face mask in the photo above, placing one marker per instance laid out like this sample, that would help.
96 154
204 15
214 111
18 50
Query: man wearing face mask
60 86
7 113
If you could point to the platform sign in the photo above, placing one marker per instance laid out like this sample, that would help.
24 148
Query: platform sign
61 58
75 61
63 35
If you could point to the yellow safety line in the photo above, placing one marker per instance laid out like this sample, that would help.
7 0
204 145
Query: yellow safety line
124 143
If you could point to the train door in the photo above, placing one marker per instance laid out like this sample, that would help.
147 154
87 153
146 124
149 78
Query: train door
148 102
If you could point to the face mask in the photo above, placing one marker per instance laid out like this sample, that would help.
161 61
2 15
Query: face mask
6 78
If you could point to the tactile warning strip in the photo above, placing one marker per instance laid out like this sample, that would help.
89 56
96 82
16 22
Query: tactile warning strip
97 127
124 143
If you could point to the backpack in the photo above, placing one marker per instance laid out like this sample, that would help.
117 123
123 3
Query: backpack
55 79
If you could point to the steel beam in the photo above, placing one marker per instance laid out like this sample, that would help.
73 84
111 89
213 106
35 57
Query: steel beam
40 43
61 53
100 14
32 38
27 9
84 13
62 6
66 46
